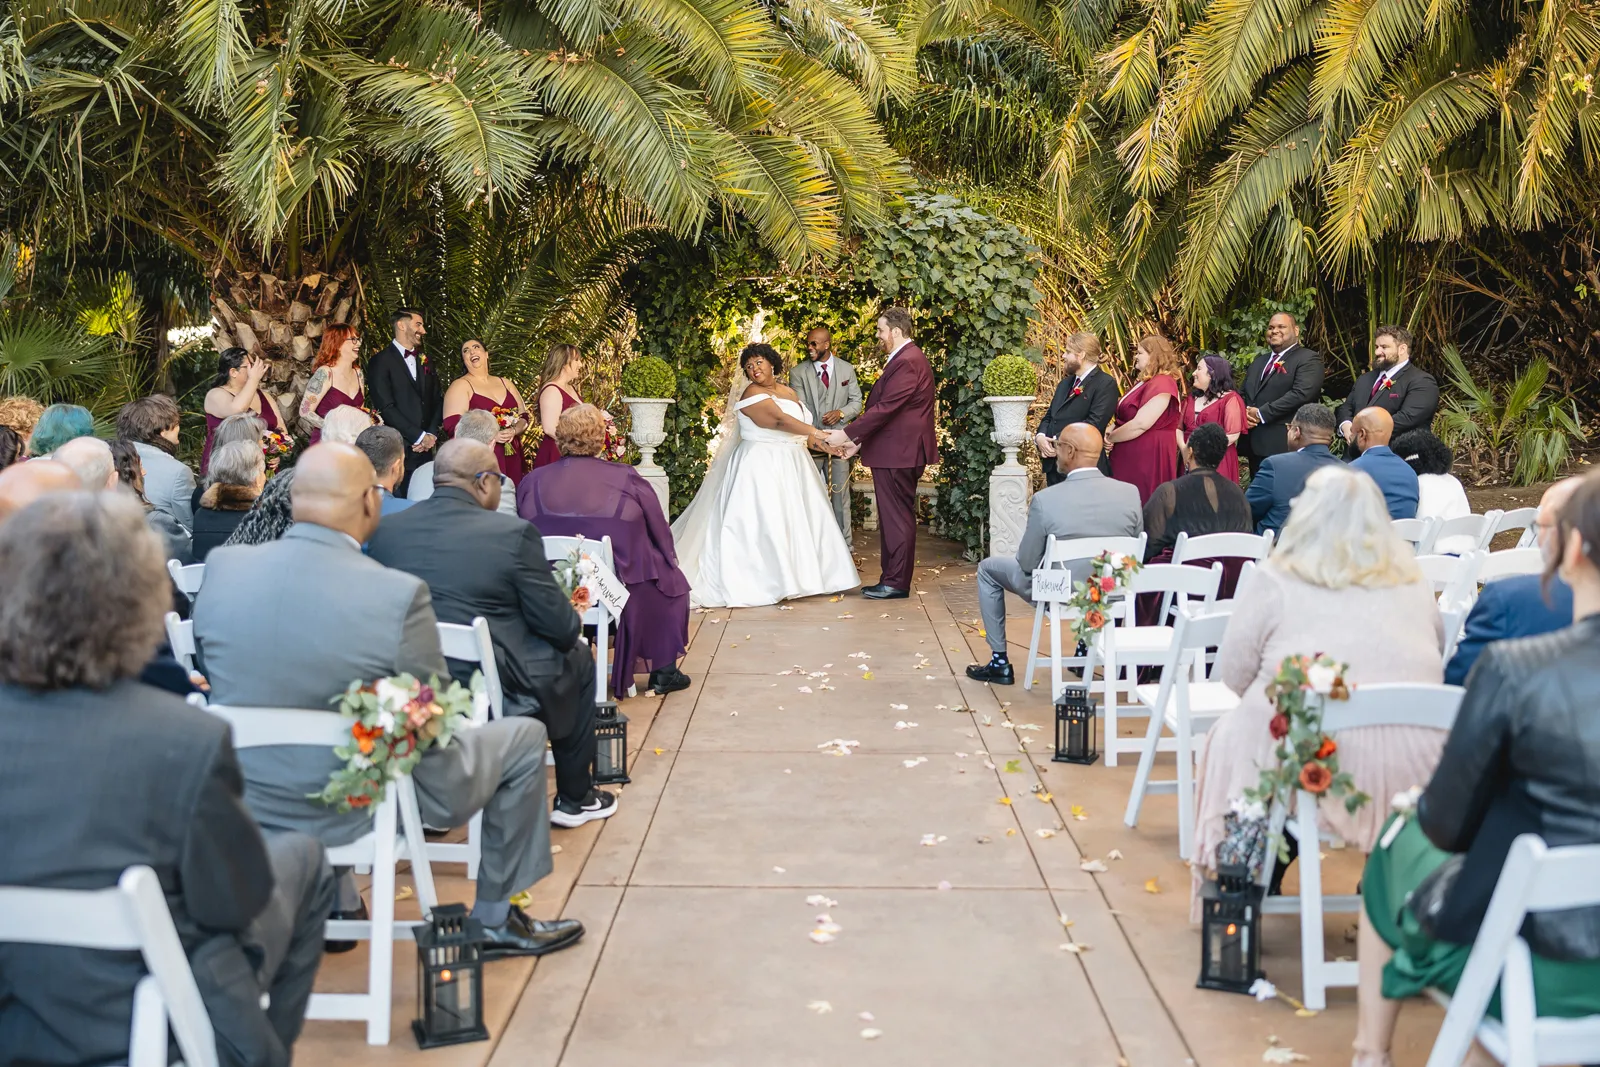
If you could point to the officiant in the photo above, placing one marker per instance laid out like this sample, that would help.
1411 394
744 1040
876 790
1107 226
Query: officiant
827 386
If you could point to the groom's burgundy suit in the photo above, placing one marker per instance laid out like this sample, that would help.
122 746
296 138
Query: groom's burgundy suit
895 433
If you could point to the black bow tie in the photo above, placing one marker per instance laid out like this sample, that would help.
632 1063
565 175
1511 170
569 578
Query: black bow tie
409 353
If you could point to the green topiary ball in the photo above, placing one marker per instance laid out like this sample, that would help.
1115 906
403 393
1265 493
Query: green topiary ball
649 378
1010 376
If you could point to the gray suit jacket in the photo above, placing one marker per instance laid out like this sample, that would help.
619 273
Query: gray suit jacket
1085 504
290 624
168 484
842 394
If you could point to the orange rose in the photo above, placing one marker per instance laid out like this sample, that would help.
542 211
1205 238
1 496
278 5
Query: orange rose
1315 778
1094 594
360 800
1094 620
1328 747
580 598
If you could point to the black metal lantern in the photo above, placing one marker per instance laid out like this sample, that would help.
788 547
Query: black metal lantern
610 745
449 979
1230 931
1076 728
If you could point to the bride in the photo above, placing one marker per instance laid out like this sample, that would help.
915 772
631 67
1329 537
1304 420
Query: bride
761 529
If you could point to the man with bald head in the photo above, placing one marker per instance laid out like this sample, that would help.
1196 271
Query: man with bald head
480 562
23 483
1521 605
1085 503
291 623
1372 428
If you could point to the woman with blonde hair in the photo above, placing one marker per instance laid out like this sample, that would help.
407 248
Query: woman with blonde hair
1341 582
1144 444
336 381
558 391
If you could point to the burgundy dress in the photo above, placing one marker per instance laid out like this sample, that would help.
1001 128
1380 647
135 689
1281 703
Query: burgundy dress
1152 457
1226 411
513 464
333 398
594 498
212 422
549 451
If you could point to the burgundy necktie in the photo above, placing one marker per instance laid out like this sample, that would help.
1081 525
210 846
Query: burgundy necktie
1271 363
1376 386
824 375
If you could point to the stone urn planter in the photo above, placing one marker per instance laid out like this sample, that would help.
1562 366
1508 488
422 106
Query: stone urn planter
1010 423
647 418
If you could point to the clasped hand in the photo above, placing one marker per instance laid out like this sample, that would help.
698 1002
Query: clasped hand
835 443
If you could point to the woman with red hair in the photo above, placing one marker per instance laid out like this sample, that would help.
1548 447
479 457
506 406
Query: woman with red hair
1144 445
336 381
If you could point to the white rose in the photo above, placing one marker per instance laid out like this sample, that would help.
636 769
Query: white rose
1321 677
390 696
361 762
586 567
386 720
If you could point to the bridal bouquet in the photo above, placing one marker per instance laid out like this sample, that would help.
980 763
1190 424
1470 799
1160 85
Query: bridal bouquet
506 417
395 720
616 446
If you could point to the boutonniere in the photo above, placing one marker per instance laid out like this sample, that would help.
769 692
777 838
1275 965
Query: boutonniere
1077 390
1279 368
422 358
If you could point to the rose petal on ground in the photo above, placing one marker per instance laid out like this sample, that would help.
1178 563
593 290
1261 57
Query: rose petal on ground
1045 831
821 1007
805 689
1093 867
779 870
1075 948
944 886
872 1033
1283 1054
1114 854
821 937
897 707
867 1017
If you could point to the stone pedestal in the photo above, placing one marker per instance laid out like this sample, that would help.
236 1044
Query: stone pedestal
1010 486
648 418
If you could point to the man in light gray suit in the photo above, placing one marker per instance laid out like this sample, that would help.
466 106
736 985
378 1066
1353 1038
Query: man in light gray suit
1083 504
290 623
828 388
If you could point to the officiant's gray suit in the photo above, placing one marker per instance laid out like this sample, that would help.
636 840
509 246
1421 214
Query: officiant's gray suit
842 394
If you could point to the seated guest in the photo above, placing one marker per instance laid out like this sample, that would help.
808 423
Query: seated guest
477 426
1278 479
152 425
130 475
91 460
385 449
12 447
476 562
1372 428
58 424
1439 493
106 773
1339 581
583 495
1085 503
1522 605
20 414
23 483
243 427
1522 758
356 619
1202 501
235 479
344 424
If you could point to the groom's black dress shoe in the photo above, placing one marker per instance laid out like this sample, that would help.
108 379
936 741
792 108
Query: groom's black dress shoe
884 592
523 935
993 673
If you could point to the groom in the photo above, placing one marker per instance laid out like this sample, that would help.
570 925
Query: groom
406 392
895 438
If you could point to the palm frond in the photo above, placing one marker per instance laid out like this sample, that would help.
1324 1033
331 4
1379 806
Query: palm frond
210 40
1357 42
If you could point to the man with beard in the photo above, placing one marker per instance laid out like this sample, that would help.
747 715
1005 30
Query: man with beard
1408 393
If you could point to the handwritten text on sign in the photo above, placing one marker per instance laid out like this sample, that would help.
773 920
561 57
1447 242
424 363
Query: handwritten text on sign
605 588
1052 584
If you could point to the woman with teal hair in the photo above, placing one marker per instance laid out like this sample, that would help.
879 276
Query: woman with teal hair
59 424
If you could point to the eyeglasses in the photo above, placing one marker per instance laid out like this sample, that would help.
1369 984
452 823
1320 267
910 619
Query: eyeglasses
495 474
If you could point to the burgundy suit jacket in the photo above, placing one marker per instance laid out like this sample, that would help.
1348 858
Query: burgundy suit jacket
896 429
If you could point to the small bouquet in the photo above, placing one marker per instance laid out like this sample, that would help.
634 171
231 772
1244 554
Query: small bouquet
1108 576
506 417
377 420
395 720
275 446
616 446
574 575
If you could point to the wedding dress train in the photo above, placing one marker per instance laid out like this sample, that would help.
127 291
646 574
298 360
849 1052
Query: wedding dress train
761 529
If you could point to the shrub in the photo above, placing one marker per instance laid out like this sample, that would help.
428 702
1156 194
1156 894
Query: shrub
649 377
1010 376
1520 428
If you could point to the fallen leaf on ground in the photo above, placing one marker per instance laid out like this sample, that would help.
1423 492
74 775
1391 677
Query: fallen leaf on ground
1283 1054
1152 885
898 707
1004 800
405 892
784 607
1078 812
866 676
1045 831
821 1007
1093 867
1013 766
859 655
1075 948
659 751
835 599
1045 798
805 689
817 900
1065 922
821 937
1011 832
847 615
914 762
1114 854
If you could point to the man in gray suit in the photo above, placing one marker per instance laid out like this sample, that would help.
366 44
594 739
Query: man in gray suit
290 623
1083 504
828 388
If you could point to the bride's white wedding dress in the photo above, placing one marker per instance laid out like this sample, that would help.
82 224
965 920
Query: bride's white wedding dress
761 529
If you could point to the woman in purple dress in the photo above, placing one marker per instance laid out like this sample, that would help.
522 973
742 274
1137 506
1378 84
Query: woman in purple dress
477 390
583 495
1144 450
237 391
1214 400
336 381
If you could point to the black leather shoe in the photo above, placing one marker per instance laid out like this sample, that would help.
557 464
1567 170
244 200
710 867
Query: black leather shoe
333 948
1001 674
668 680
525 936
884 592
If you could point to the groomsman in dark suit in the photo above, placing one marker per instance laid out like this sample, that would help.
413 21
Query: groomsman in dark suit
1409 394
1086 394
1277 385
405 390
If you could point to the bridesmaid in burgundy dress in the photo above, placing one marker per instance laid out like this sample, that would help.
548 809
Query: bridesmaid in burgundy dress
1143 446
563 366
1214 399
236 391
336 381
481 390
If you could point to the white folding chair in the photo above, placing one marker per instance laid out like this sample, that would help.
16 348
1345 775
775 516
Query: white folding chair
1478 527
1183 700
1523 519
1535 878
380 850
560 547
1392 704
1123 645
1060 554
187 579
1419 532
1252 548
470 644
1509 562
1453 619
180 635
131 916
1454 578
